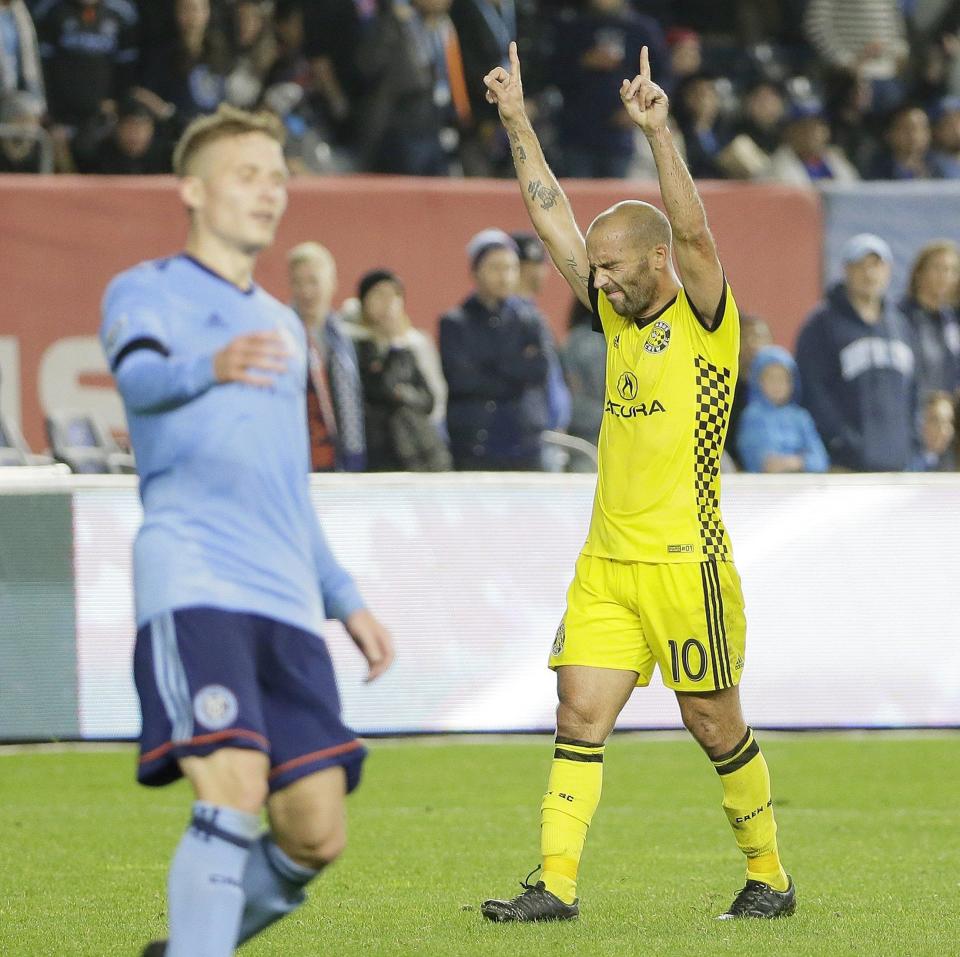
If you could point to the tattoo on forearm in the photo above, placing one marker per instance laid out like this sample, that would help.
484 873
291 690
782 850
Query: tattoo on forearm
518 150
572 263
546 196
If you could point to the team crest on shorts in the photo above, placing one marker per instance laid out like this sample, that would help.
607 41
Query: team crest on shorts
659 337
215 707
560 638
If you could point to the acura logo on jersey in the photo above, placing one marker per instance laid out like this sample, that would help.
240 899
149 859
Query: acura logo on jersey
659 337
627 386
632 411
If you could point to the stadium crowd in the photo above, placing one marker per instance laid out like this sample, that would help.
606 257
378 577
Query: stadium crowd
794 91
874 385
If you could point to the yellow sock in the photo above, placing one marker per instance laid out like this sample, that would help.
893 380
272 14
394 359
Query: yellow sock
573 793
749 808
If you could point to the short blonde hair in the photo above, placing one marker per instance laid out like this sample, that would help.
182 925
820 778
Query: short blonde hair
923 258
310 252
228 121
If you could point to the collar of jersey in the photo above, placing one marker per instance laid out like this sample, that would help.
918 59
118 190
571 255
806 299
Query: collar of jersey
646 320
210 272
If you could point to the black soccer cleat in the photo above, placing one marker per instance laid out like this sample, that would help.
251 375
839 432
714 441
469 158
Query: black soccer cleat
757 899
536 903
157 948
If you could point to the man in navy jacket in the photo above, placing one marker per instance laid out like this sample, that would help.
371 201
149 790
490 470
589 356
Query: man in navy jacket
495 362
857 366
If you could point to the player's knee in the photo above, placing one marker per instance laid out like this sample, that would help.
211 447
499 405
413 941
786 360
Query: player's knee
575 719
317 848
705 728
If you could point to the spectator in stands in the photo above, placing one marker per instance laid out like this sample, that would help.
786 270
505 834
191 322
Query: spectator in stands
533 275
584 358
314 143
755 335
332 33
776 434
20 66
930 306
254 51
191 71
857 366
805 155
945 158
334 392
90 55
495 365
868 36
22 149
847 101
705 134
937 432
686 53
136 145
399 398
417 93
485 29
595 49
906 150
936 48
763 112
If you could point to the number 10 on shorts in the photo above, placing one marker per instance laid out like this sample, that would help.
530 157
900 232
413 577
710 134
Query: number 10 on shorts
692 655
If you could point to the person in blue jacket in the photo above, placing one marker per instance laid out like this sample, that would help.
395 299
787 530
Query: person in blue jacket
776 433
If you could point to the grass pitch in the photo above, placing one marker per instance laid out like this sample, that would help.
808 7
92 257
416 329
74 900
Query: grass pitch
869 828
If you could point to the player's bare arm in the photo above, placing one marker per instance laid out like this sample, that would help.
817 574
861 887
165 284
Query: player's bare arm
547 204
700 270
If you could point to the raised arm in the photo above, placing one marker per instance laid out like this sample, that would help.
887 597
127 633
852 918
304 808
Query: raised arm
547 204
700 270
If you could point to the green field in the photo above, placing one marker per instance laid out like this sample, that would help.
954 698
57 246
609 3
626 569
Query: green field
869 827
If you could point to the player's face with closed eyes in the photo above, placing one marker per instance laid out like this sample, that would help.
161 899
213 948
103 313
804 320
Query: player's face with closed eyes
243 191
623 272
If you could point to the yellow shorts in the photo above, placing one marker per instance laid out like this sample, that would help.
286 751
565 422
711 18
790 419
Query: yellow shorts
687 617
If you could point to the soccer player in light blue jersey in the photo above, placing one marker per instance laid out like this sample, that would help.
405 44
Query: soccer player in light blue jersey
233 575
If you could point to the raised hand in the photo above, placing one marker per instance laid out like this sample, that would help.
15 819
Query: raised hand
647 104
244 357
505 89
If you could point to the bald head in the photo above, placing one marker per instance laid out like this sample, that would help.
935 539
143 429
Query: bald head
629 250
640 225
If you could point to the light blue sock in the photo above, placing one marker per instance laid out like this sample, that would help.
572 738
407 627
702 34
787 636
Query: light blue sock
273 885
205 890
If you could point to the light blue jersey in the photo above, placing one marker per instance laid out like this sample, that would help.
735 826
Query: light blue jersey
223 466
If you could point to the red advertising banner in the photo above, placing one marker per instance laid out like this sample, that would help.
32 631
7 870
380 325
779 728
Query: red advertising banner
63 238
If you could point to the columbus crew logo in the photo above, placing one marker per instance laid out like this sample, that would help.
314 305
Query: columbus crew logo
659 338
560 639
627 386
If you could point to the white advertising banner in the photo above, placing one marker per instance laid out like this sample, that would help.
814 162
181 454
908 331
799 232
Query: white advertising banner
851 585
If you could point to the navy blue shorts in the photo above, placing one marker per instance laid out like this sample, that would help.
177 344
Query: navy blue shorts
209 679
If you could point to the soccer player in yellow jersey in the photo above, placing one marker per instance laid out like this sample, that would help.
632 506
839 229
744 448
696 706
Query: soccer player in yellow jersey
655 583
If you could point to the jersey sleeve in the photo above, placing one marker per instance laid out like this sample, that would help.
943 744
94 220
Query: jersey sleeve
720 337
131 318
137 345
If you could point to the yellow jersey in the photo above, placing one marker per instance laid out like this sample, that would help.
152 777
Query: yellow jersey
669 389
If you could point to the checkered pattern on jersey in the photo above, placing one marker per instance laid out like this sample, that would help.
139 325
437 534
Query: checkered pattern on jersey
713 413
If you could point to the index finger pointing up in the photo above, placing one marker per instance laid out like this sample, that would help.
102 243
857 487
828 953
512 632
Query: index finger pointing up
645 63
514 60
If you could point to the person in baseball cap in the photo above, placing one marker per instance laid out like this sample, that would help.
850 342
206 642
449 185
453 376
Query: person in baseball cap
486 241
864 244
